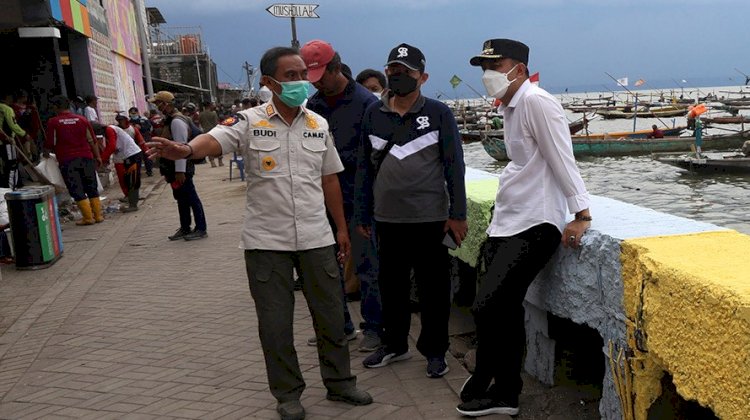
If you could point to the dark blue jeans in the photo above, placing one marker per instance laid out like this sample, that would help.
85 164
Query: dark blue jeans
365 257
187 199
149 164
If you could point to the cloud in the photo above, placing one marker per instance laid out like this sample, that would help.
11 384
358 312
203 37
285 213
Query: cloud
223 7
211 7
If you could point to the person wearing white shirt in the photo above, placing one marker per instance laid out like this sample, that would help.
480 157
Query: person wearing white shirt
539 186
122 148
90 111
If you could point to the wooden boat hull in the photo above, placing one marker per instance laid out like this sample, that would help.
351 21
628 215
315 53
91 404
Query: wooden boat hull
661 112
495 147
471 136
638 134
740 119
709 166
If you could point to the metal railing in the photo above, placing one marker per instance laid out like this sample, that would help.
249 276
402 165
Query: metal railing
176 41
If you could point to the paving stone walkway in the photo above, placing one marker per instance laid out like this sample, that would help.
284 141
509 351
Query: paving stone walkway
130 325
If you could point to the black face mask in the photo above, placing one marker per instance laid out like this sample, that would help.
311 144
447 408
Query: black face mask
402 84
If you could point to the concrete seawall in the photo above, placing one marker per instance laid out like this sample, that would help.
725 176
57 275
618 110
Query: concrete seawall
672 293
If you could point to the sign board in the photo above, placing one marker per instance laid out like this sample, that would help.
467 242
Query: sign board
293 10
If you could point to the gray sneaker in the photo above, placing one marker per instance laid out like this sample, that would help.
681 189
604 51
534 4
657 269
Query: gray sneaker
351 396
291 410
369 343
178 235
195 234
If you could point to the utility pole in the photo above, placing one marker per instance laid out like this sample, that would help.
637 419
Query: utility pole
250 71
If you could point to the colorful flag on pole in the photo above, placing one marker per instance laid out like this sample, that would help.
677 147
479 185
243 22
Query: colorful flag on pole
455 80
534 78
623 81
639 82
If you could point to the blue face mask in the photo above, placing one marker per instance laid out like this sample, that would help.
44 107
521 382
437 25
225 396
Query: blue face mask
293 94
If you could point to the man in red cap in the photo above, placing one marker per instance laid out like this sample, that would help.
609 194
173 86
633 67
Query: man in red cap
342 102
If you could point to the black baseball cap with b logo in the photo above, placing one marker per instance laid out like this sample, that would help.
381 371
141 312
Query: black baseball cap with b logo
407 55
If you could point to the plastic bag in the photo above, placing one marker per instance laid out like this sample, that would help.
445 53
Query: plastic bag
99 186
51 170
3 207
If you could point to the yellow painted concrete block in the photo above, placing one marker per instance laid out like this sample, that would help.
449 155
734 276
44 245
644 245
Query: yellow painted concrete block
480 196
690 294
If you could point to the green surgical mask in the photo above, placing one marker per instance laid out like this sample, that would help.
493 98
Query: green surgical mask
294 93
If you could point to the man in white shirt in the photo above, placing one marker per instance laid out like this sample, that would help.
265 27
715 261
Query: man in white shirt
537 188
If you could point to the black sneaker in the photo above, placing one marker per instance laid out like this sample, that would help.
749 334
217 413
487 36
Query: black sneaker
472 389
486 406
195 234
437 367
383 357
178 235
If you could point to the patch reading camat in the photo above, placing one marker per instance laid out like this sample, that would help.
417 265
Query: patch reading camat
310 122
268 163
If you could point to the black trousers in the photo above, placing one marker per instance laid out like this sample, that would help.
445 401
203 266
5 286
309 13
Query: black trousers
79 175
133 172
401 247
512 264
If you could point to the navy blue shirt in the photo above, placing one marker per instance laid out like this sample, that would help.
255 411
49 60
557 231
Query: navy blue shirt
420 178
344 120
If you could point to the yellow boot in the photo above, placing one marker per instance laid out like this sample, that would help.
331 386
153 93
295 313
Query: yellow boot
96 207
85 208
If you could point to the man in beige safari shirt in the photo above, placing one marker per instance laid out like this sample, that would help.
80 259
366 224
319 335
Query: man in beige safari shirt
292 164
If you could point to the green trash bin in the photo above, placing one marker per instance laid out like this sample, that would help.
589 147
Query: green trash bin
35 227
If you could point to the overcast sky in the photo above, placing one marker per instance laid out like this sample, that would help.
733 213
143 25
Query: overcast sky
574 43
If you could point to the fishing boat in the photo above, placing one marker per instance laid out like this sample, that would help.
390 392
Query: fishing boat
643 112
637 134
471 136
738 119
735 163
495 147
